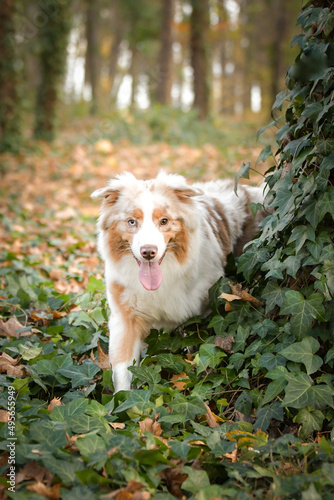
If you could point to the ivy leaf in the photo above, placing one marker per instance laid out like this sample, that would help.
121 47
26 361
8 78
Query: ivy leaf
73 409
80 374
300 234
310 420
292 265
274 295
189 407
196 480
304 352
244 403
137 398
243 173
303 311
300 393
208 356
266 413
90 445
328 162
265 153
249 260
325 203
274 389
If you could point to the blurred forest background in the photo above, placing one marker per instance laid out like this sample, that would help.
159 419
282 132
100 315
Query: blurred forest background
60 60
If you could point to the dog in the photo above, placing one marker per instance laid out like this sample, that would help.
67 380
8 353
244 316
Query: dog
164 244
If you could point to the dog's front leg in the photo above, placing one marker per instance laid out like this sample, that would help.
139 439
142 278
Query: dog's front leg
124 348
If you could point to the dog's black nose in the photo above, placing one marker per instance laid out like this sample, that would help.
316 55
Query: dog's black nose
149 251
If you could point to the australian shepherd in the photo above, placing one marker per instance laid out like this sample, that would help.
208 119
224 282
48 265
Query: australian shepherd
165 243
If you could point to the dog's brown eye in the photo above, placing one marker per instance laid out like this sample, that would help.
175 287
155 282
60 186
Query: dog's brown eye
164 221
132 222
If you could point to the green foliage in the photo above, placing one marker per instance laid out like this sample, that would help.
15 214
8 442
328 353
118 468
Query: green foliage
292 260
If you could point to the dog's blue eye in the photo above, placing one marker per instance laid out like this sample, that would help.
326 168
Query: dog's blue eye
132 222
164 221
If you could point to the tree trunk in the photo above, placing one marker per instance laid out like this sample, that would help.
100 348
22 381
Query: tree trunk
165 79
92 68
134 72
10 109
53 49
199 26
278 13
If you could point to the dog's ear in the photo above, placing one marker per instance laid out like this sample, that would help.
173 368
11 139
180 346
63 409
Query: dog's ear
109 194
185 194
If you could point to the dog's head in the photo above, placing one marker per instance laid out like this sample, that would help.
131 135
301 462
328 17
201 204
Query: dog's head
146 220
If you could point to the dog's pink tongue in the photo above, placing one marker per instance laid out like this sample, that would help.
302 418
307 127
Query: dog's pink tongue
150 275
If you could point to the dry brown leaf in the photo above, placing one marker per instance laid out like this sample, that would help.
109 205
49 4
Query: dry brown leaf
236 288
179 384
210 417
10 327
39 317
239 294
151 426
34 471
229 297
103 361
59 314
56 274
133 491
51 493
53 403
174 479
4 416
232 456
247 297
71 440
225 343
117 425
11 366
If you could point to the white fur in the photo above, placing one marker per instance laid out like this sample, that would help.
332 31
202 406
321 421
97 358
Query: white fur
184 289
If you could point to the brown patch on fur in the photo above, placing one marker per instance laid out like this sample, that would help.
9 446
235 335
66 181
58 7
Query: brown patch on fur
175 234
249 228
179 243
135 326
136 214
119 241
220 227
182 195
111 197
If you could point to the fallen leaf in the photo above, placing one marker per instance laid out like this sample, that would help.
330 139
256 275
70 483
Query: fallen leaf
103 361
225 343
179 384
34 471
52 493
55 274
151 426
238 294
210 418
174 479
4 416
117 425
10 327
233 456
133 491
53 403
11 366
